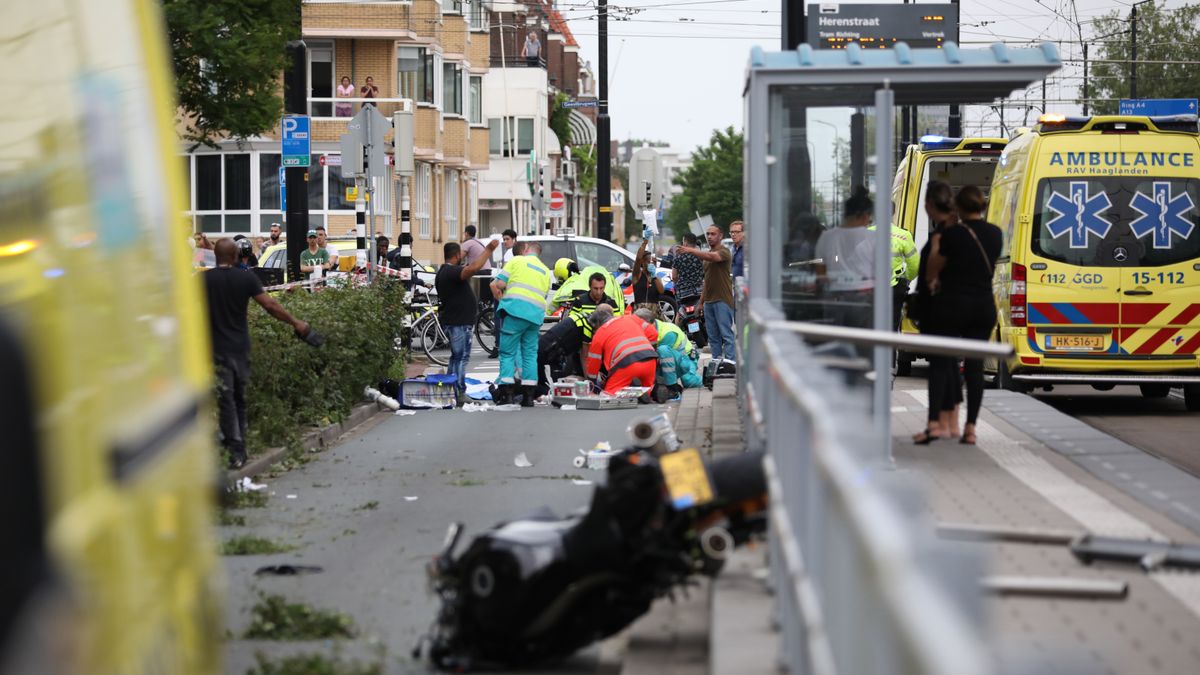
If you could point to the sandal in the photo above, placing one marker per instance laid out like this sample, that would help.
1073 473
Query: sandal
968 438
927 437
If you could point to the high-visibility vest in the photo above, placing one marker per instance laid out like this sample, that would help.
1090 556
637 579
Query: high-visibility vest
619 343
575 290
905 257
526 283
671 335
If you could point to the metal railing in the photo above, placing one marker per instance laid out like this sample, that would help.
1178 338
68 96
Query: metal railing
862 585
344 108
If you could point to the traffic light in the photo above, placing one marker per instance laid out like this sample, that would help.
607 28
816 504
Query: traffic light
648 192
541 182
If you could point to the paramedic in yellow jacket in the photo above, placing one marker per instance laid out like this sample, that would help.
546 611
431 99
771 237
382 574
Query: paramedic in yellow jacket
905 264
521 288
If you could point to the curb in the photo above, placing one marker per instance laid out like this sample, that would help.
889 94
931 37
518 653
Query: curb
312 441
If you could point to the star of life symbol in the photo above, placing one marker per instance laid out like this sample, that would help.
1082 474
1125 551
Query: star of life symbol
1162 215
1079 215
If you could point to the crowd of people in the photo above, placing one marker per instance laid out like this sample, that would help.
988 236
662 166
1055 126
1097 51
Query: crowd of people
953 297
598 337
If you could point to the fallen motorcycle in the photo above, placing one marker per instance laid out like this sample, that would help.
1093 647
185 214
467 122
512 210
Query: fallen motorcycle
535 590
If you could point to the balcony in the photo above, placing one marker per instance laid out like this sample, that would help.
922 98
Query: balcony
511 61
330 115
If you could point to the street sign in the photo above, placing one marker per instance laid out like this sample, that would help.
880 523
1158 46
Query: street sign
367 129
283 190
296 145
833 26
1157 107
557 204
352 194
336 160
580 104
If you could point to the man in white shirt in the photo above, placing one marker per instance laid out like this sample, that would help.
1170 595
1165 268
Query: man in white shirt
323 242
846 271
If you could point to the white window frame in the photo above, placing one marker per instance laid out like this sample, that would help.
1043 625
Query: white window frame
417 96
473 200
450 205
452 6
421 190
474 101
477 16
513 123
458 76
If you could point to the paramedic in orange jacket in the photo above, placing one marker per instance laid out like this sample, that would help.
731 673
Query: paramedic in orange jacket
625 347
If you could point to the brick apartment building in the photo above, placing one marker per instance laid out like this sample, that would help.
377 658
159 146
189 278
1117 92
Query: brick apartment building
519 96
432 53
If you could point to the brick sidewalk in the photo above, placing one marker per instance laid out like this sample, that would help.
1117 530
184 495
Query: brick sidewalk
1011 478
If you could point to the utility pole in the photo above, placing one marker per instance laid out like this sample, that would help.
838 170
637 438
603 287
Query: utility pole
603 144
1133 18
1086 94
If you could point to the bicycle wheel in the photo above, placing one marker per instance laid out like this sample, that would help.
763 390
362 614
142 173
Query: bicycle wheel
434 342
485 331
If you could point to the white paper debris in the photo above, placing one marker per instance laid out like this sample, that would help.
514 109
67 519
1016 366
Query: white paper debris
567 407
410 499
291 496
522 461
581 482
405 413
247 485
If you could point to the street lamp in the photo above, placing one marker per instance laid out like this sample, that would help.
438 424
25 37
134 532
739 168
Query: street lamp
837 168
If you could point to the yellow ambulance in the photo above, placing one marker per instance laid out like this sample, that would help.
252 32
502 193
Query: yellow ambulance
107 469
1099 280
957 161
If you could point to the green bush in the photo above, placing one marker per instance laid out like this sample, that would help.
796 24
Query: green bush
294 386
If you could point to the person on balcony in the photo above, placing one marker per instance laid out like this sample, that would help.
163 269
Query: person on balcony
344 90
532 49
369 90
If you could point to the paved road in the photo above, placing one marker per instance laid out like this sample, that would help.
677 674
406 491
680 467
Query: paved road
458 465
1161 427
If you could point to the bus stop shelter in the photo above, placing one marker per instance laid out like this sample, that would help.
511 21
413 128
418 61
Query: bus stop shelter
783 87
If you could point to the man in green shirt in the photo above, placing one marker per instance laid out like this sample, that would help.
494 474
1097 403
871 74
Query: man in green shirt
314 257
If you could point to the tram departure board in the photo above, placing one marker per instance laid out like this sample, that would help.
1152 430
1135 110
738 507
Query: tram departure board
833 26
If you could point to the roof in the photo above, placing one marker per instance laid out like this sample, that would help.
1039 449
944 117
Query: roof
918 76
558 24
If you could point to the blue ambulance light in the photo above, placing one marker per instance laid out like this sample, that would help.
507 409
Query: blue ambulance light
935 142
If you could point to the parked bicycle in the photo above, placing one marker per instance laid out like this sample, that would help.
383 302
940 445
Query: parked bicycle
436 344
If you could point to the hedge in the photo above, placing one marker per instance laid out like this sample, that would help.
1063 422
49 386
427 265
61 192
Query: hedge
294 386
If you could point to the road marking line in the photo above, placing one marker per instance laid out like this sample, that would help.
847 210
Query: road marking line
1096 513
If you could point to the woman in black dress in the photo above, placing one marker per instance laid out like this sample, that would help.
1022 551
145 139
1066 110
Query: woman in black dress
945 391
961 263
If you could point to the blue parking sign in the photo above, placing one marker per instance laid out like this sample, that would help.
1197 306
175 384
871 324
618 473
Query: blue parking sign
296 145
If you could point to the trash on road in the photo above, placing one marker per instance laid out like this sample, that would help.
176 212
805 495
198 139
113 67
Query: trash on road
287 570
405 413
568 407
581 482
522 461
382 399
411 499
292 497
247 485
654 434
596 458
485 407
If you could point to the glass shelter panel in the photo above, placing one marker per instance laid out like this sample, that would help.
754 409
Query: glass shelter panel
821 234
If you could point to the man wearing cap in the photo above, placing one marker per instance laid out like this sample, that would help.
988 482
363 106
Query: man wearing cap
314 257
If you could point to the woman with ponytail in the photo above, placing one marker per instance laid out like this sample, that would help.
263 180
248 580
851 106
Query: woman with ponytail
945 391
